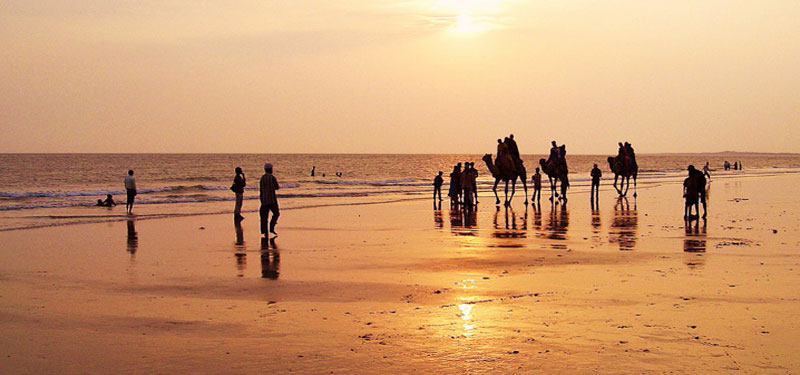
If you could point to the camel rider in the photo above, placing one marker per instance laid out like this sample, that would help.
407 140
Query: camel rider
630 154
504 158
514 151
554 152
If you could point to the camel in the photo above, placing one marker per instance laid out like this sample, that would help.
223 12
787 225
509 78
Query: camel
618 167
505 174
556 174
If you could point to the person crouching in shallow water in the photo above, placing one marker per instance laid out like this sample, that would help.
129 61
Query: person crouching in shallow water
269 201
239 182
130 189
109 202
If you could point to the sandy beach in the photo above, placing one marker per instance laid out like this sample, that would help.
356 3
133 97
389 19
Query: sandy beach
404 288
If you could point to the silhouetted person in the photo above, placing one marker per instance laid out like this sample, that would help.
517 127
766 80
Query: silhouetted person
512 147
130 189
437 185
736 166
466 185
726 165
700 181
269 201
474 180
536 181
109 202
694 187
239 182
596 174
455 184
313 168
705 171
741 166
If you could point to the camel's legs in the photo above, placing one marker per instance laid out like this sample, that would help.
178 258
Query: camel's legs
494 189
634 186
627 182
615 185
505 202
525 187
513 189
552 188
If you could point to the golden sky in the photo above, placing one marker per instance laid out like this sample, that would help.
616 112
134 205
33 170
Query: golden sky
373 76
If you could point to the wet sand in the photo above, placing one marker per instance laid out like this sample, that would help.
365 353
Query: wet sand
404 288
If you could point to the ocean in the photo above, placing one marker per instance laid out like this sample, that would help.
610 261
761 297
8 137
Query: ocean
38 190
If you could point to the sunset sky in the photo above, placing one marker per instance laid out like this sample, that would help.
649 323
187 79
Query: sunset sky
373 76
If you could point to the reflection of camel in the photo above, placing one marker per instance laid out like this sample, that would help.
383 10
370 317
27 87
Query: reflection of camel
556 172
558 224
618 167
509 229
506 174
623 227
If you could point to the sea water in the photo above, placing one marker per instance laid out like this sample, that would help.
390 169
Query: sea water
58 189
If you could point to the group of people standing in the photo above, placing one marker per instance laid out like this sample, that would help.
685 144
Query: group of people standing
463 186
694 191
737 165
266 193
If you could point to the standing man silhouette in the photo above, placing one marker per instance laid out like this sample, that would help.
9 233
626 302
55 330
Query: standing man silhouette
437 185
269 201
130 189
596 174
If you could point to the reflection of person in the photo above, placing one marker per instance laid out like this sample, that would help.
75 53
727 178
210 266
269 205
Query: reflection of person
270 259
108 202
133 237
437 185
269 201
596 174
130 189
239 182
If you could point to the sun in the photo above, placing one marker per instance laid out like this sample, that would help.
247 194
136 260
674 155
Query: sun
464 23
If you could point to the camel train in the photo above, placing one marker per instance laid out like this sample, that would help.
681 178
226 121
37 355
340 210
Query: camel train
508 167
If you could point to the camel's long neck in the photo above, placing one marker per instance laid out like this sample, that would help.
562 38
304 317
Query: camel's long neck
492 168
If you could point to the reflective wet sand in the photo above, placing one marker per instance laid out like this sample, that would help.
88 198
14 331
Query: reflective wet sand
626 287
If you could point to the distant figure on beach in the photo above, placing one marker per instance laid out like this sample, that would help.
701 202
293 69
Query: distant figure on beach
313 169
466 186
106 203
705 171
741 167
239 182
437 185
596 173
455 185
130 189
726 165
269 201
474 180
694 191
536 181
736 166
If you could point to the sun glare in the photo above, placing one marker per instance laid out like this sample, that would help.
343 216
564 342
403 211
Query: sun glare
469 16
